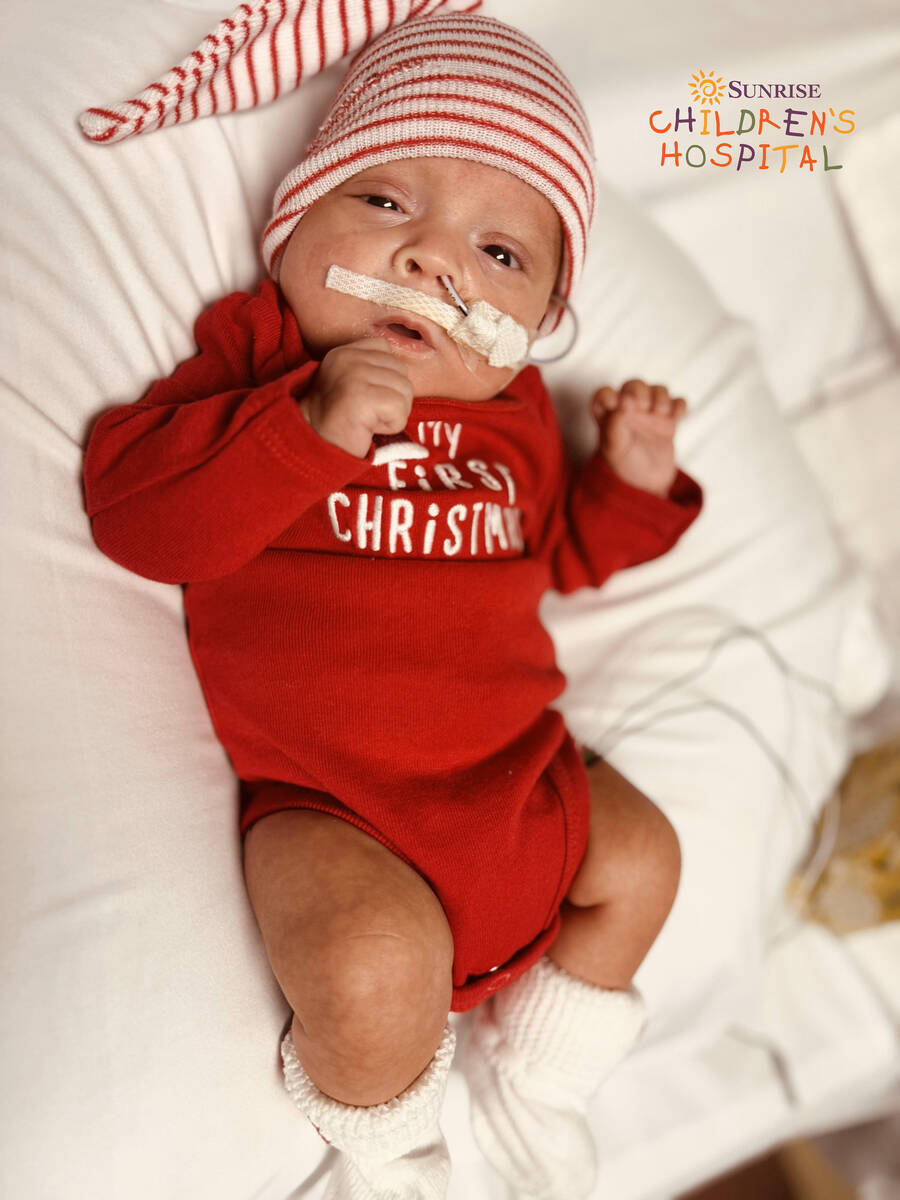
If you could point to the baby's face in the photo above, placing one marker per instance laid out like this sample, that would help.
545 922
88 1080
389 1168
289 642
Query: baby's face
409 222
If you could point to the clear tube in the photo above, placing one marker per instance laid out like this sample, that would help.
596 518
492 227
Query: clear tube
540 362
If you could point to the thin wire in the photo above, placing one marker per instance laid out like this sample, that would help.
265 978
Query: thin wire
457 298
787 776
804 802
737 630
541 362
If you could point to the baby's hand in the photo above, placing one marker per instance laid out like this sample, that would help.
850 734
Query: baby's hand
637 430
360 389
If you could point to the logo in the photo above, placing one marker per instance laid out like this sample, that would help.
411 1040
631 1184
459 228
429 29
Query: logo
777 137
707 89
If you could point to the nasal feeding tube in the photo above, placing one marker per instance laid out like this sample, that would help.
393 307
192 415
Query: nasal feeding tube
457 298
493 334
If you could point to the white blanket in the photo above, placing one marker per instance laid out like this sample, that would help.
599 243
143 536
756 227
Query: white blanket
140 1019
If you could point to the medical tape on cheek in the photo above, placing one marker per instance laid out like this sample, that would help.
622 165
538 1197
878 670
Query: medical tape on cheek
495 335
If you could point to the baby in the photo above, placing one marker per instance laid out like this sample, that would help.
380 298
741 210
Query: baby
362 485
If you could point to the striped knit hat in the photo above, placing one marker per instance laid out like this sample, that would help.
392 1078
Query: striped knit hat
438 83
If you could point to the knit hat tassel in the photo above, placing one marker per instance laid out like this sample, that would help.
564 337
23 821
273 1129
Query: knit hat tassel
254 55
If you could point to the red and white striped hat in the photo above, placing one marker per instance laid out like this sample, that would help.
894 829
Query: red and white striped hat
438 83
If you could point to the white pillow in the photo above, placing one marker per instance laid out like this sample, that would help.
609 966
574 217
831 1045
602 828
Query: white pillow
140 1019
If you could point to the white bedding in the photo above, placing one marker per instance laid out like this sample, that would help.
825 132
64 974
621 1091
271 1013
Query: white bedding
140 1020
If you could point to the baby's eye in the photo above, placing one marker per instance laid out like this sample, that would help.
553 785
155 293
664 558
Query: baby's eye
381 202
502 255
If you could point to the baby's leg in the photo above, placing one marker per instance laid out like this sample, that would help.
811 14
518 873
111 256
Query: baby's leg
622 893
547 1042
361 948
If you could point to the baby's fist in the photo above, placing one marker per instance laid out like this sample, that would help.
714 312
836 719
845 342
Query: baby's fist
361 389
637 432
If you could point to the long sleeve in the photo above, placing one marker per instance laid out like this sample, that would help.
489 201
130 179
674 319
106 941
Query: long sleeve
196 478
600 524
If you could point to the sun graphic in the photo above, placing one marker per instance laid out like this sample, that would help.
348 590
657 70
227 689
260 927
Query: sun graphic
707 89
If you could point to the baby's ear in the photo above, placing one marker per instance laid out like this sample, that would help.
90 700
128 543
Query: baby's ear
555 308
553 315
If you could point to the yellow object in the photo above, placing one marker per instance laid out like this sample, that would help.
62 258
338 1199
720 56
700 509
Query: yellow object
860 885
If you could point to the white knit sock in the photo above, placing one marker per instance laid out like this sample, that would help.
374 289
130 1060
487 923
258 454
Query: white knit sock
390 1151
536 1053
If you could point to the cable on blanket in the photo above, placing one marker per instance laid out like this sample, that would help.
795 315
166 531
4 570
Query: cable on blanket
624 727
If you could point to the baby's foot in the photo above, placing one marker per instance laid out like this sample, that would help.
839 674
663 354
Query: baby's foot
389 1151
637 431
536 1137
535 1054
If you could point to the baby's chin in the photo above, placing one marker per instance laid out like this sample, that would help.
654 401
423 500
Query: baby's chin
460 383
454 374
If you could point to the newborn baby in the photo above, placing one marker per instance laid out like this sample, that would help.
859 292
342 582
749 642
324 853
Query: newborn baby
363 487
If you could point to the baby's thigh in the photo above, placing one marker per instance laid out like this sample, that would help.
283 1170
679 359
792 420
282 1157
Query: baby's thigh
632 853
354 935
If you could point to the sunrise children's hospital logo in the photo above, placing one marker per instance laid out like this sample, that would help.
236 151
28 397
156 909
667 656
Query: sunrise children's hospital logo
776 136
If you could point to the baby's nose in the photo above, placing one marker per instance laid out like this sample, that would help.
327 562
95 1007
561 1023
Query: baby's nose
428 258
424 262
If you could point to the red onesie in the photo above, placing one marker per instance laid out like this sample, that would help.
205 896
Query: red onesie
366 631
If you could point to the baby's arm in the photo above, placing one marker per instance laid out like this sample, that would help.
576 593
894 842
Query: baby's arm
195 479
637 431
630 502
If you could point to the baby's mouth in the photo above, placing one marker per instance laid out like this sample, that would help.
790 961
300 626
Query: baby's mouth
405 331
407 335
